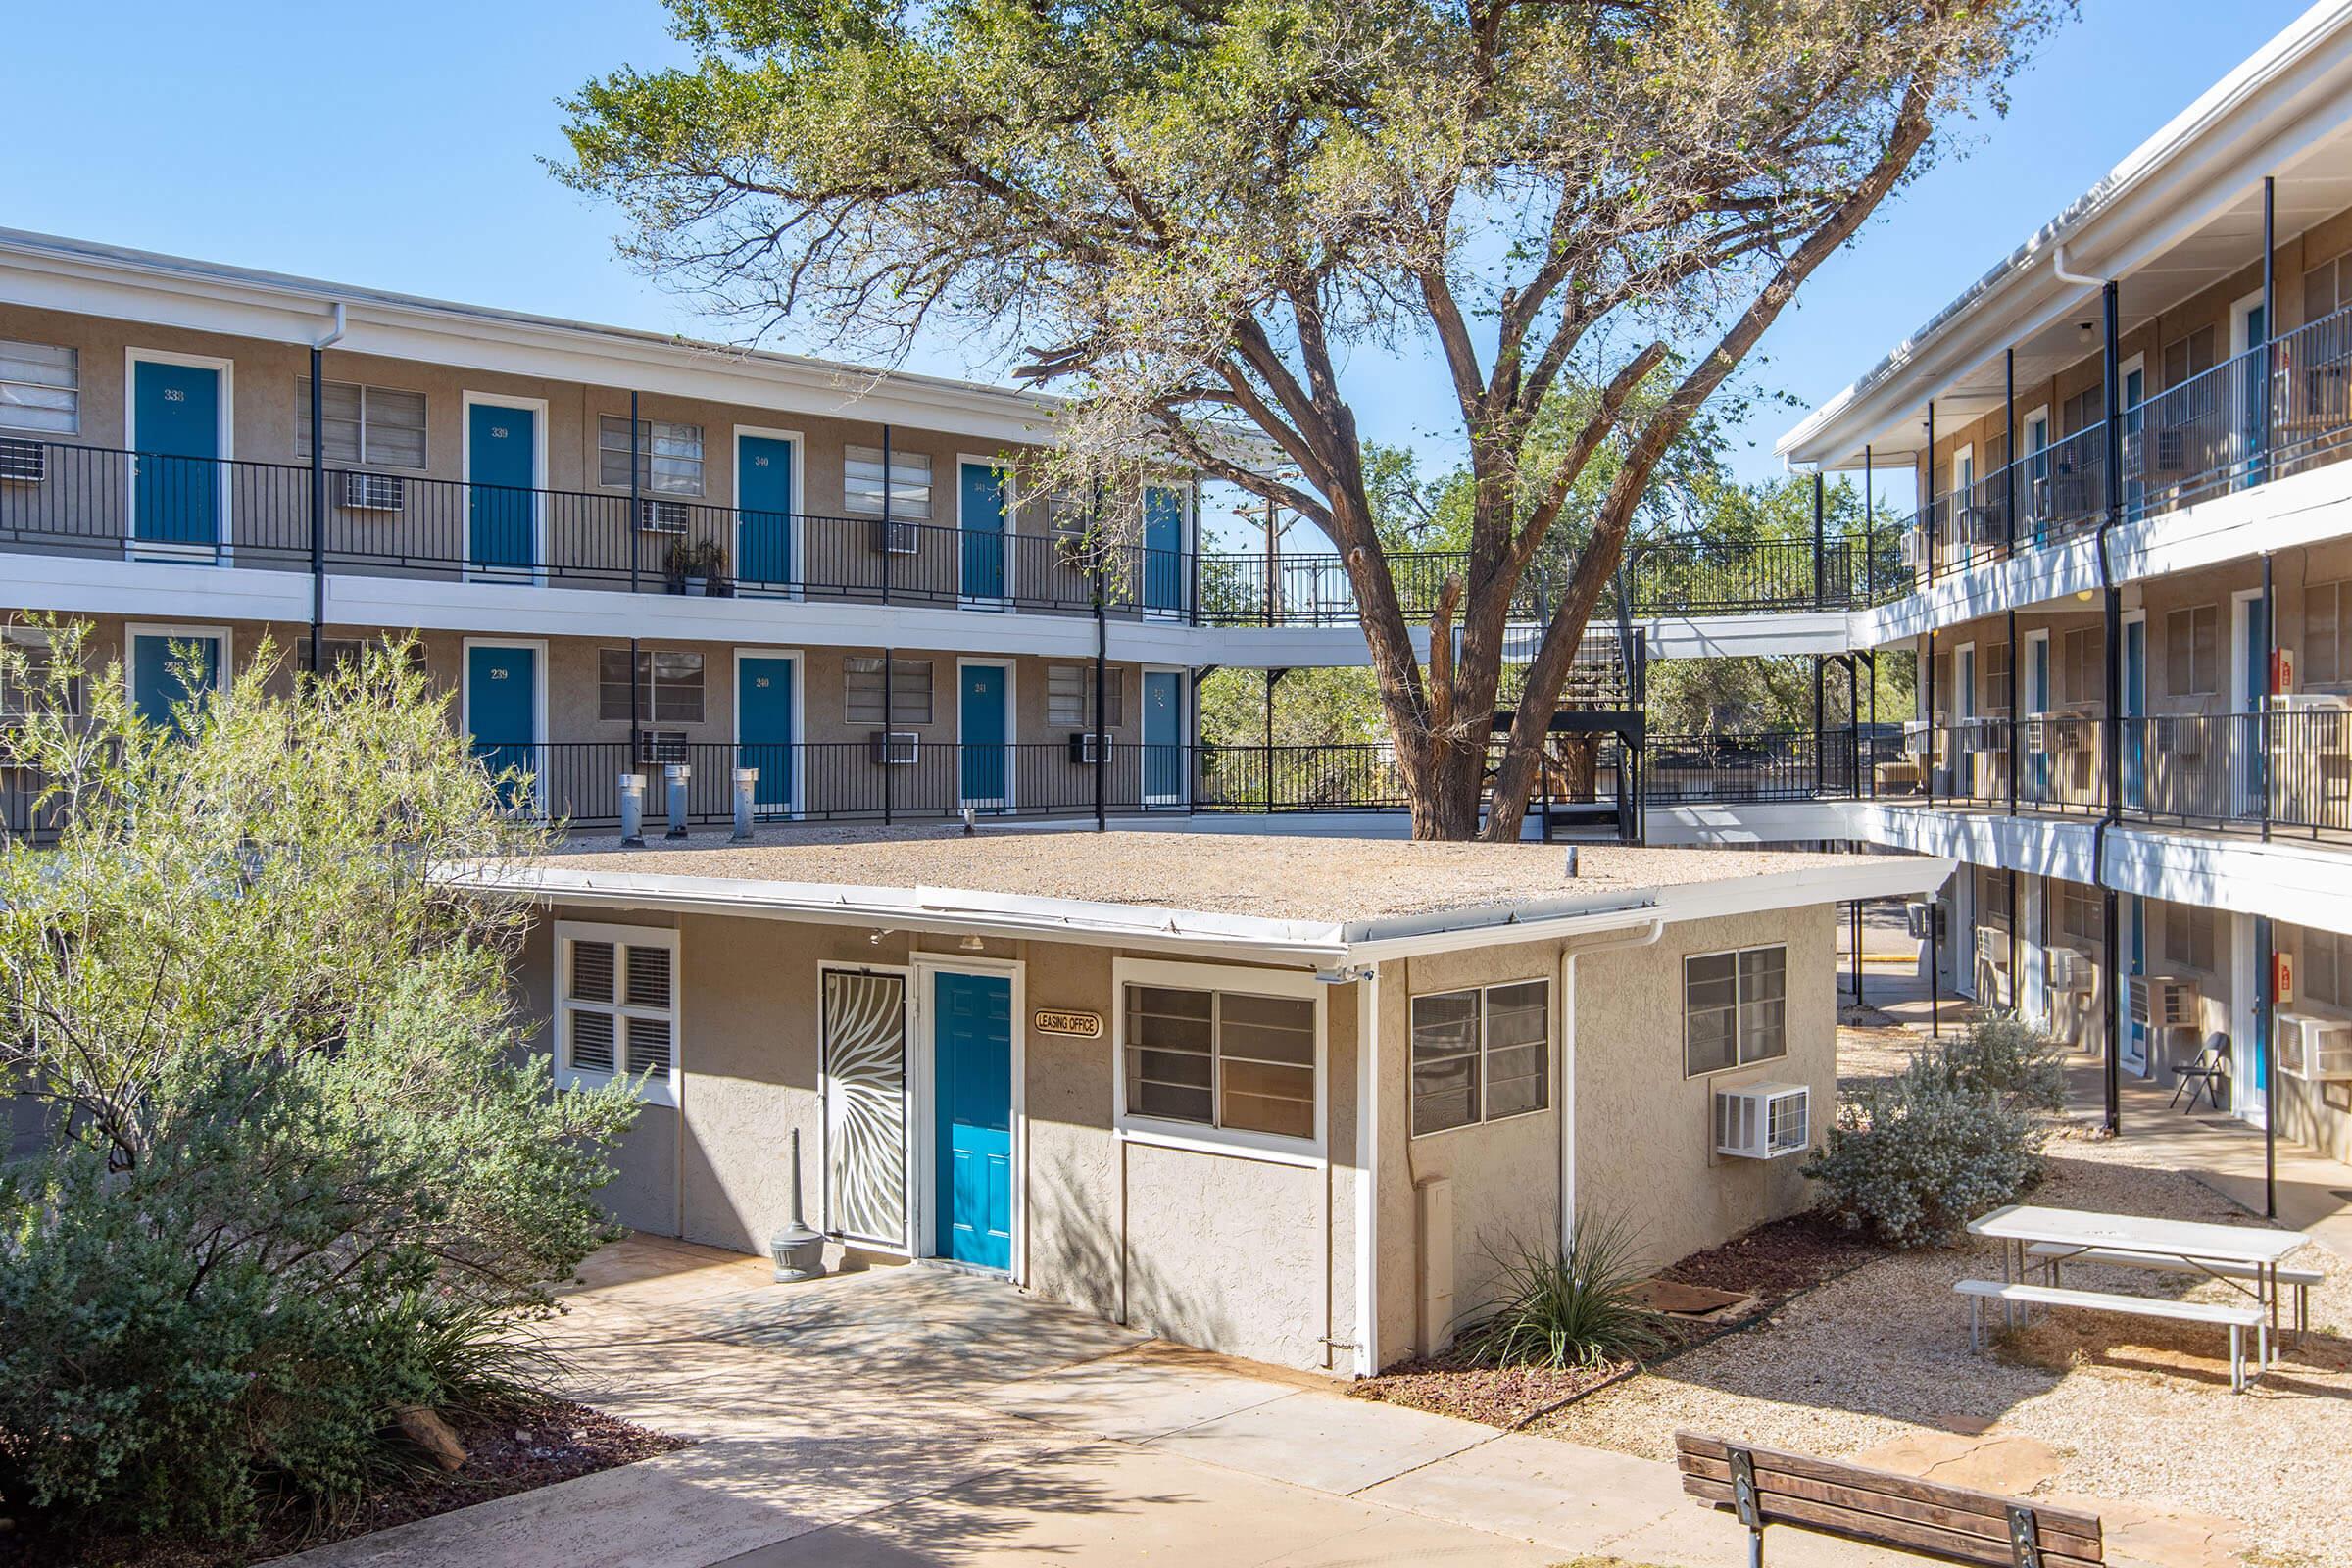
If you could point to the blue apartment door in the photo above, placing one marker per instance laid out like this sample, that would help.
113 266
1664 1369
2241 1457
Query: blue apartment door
2254 661
160 681
763 720
2253 393
176 483
1163 737
982 725
2134 1058
1163 548
980 513
502 707
2136 707
764 511
971 1036
502 474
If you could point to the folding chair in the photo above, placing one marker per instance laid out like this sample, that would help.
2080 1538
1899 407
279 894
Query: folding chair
2204 1075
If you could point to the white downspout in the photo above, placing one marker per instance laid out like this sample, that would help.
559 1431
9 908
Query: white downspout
2059 269
1657 929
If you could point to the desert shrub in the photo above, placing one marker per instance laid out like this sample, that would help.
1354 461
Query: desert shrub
301 1170
1915 1158
1559 1308
2005 1057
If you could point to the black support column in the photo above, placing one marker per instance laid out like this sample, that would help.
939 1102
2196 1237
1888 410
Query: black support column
2111 955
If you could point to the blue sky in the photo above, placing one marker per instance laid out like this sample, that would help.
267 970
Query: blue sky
355 143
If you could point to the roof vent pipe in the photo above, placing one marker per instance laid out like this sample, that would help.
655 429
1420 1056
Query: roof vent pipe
2058 267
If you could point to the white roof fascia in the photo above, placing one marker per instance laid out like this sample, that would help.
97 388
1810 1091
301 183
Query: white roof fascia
2259 117
51 272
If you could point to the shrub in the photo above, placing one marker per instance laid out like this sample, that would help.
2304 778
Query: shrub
1915 1158
1576 1307
302 1170
2003 1055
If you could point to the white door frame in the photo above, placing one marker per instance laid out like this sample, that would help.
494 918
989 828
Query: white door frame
1012 724
800 475
791 806
539 737
912 1149
2242 787
224 441
1005 502
473 571
2246 1100
177 631
924 1082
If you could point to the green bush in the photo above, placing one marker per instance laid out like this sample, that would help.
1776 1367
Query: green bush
1572 1308
303 1170
1915 1158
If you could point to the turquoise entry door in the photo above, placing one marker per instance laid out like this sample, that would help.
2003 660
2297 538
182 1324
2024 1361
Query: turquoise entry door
1163 737
980 513
502 708
176 483
1163 548
2136 707
763 513
983 723
160 681
763 723
501 476
971 1036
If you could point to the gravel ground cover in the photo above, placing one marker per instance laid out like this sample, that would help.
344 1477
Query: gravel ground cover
2132 1410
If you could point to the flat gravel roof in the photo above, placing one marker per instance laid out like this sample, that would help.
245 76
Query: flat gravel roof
1280 878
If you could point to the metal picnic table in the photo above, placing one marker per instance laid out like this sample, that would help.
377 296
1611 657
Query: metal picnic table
2190 1244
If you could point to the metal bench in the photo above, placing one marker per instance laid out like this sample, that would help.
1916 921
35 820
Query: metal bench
1764 1486
2236 1319
2052 1256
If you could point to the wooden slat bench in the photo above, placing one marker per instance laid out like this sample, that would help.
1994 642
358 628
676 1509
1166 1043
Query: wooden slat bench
2052 1256
2236 1319
1764 1486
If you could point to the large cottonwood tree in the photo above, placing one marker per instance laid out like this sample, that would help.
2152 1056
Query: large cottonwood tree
1210 223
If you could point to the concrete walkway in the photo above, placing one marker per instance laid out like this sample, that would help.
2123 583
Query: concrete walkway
912 1416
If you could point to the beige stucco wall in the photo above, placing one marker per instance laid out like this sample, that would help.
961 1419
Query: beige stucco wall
1644 1132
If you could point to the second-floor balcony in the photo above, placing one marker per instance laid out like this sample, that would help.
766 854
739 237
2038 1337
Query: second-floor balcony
64 499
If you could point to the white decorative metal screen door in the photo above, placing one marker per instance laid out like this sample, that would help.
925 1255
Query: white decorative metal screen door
864 1080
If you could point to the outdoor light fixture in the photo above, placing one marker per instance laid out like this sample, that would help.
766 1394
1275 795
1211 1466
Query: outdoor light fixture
873 938
2084 594
972 945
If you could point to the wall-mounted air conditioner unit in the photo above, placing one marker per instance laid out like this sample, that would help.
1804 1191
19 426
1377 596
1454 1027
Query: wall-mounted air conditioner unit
2165 1001
1913 549
373 492
894 538
1086 748
660 516
1763 1121
2070 732
2314 1050
1983 525
1916 736
2158 452
2068 971
893 747
2062 495
1923 919
23 462
1993 946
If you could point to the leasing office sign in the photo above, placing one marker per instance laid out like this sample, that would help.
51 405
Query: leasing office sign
1063 1021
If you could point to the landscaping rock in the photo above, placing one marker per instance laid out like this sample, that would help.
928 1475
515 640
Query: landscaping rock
430 1433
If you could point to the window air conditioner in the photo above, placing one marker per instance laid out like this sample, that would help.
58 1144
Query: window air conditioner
1923 919
2067 970
1983 525
2314 1050
2164 1002
1913 549
2070 732
2062 495
1993 946
893 747
1763 1121
1086 748
23 462
374 492
660 516
893 538
660 746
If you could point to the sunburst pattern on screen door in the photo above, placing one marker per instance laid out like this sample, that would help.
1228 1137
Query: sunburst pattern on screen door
865 1105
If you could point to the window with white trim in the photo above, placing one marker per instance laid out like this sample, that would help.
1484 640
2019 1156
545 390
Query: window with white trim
863 694
1221 1058
910 484
669 456
1481 1054
2323 971
616 1007
2081 915
2325 625
1734 1008
670 686
376 425
40 387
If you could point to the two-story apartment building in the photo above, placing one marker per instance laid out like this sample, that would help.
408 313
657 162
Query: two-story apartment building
2129 589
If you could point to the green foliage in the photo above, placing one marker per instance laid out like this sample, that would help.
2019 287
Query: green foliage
1566 1307
302 1169
1957 1133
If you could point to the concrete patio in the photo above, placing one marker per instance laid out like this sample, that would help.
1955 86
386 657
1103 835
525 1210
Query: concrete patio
912 1416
